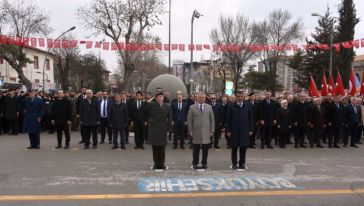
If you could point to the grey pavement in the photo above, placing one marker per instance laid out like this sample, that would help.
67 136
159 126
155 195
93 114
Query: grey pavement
105 171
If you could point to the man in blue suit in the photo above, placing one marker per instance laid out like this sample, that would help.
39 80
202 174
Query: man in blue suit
34 113
179 117
219 119
105 105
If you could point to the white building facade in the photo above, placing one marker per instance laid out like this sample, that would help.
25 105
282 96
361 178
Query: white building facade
41 61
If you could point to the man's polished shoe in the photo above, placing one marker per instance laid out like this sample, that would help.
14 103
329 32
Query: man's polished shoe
175 147
115 147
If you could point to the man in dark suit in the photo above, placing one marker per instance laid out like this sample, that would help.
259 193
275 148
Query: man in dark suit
239 128
335 121
352 120
11 111
79 100
300 120
267 119
179 117
61 118
138 113
118 120
219 119
317 123
105 105
127 102
90 118
254 105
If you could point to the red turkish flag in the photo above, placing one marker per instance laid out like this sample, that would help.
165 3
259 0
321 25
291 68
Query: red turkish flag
3 39
191 47
121 46
206 46
98 44
33 42
352 87
88 44
11 40
337 48
313 92
215 47
166 47
181 47
151 47
41 42
331 88
324 85
64 43
362 42
347 45
339 88
174 46
356 43
105 45
362 85
73 43
26 41
50 43
19 41
57 43
113 46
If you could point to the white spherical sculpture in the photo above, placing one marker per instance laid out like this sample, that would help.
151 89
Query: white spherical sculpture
168 83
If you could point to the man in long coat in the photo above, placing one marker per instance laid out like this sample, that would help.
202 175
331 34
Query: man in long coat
11 111
90 118
34 112
159 121
201 128
239 128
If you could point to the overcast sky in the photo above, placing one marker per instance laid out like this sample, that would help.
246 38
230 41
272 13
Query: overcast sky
63 16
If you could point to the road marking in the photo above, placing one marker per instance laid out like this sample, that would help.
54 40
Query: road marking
180 195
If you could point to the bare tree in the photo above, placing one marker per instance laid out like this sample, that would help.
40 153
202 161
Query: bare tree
278 30
65 57
236 31
119 19
21 18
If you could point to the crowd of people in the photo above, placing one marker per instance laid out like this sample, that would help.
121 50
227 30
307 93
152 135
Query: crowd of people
199 121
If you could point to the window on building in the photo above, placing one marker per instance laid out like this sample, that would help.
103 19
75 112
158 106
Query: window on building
47 64
1 61
49 81
36 62
36 81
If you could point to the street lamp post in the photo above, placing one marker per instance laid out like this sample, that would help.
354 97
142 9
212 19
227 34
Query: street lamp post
331 38
46 56
197 15
169 39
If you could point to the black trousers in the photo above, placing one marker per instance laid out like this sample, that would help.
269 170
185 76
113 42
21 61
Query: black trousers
139 130
334 135
196 153
179 133
283 139
104 125
266 138
359 134
353 129
127 134
234 155
217 135
159 156
34 140
88 131
299 138
315 135
115 133
12 125
83 133
63 128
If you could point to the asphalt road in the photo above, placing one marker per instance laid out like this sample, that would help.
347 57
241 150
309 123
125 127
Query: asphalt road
289 176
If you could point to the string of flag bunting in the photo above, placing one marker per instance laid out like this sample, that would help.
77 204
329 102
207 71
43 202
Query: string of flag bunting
64 43
356 87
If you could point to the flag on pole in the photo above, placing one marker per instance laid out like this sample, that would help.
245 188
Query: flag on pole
339 89
352 88
324 85
331 88
313 92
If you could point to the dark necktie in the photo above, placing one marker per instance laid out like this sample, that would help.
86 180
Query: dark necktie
104 110
201 108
